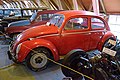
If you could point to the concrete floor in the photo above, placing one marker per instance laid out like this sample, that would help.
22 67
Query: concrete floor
53 72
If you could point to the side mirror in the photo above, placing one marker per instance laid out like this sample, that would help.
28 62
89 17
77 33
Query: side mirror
48 23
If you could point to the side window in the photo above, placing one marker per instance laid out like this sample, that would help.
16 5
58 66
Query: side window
46 16
97 23
43 17
77 24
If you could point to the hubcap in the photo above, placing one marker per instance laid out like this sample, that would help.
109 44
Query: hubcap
38 60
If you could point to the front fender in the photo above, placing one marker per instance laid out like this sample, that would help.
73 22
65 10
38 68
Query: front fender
29 45
107 36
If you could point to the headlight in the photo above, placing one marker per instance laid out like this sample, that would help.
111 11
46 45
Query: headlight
18 48
19 37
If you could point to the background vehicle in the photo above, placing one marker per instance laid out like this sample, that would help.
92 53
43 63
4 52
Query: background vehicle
37 19
10 15
66 30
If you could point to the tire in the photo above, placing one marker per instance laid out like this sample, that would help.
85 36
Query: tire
75 62
37 60
1 29
100 74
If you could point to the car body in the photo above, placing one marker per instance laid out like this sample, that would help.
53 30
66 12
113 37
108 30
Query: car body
66 30
38 18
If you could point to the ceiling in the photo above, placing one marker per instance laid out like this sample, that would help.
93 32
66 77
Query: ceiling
106 6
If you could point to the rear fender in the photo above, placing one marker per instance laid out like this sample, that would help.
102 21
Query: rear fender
29 45
107 36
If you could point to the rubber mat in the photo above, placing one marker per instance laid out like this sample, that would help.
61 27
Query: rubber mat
15 72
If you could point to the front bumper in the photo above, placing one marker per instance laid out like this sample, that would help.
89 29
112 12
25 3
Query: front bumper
11 55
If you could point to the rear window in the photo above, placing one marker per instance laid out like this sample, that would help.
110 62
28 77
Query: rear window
43 17
97 23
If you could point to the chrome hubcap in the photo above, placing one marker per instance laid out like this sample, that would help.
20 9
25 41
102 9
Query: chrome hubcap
38 60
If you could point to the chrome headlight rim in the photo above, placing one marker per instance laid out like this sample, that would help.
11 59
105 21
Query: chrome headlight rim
18 48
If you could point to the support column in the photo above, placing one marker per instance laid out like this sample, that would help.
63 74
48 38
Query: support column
75 4
95 4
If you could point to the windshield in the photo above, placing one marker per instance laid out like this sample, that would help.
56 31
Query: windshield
57 20
33 17
8 12
1 12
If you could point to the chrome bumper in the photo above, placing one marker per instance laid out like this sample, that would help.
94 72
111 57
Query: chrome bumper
12 55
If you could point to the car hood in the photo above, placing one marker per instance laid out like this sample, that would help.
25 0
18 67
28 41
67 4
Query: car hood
37 31
20 23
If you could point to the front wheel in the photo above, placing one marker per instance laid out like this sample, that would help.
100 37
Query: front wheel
37 59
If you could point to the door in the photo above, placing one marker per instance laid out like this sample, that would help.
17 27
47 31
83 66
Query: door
97 32
75 35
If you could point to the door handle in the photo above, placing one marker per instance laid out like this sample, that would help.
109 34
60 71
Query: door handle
87 33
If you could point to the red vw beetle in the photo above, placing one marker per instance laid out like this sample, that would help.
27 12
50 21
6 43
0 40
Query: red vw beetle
65 31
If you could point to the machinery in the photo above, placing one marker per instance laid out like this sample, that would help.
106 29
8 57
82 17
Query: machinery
95 64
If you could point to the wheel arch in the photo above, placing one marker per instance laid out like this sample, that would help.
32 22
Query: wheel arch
105 38
24 51
51 55
74 51
69 59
